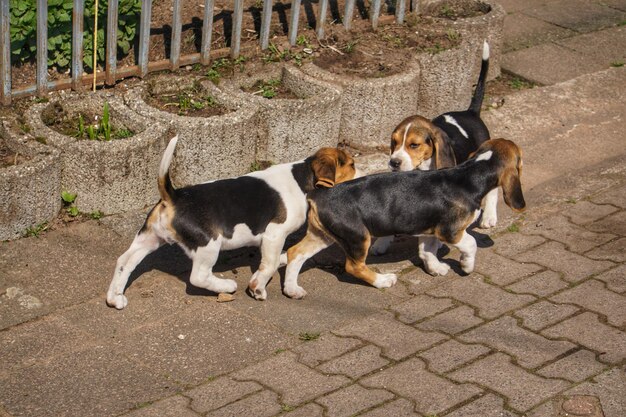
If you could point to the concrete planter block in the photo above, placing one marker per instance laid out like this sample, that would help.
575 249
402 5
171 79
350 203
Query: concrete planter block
30 192
448 78
291 129
372 107
111 177
208 147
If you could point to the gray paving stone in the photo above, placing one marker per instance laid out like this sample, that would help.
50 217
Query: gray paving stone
219 392
511 244
554 256
490 300
610 388
615 279
578 15
575 367
396 339
261 404
551 64
577 239
592 295
308 410
543 313
451 354
420 307
584 212
356 363
542 284
515 5
293 381
615 196
501 270
398 408
613 251
586 330
523 389
616 4
452 321
614 223
487 406
530 349
522 31
352 400
431 393
327 347
176 406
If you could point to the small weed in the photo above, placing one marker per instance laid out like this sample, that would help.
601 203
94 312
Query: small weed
96 215
394 40
196 67
571 201
308 336
435 49
514 228
23 125
41 99
214 76
617 64
255 166
302 40
446 11
519 84
35 231
41 140
280 350
73 211
258 4
622 23
286 408
268 89
453 35
123 133
67 197
349 48
142 405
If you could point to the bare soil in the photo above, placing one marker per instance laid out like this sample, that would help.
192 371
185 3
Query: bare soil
193 102
77 125
8 157
271 89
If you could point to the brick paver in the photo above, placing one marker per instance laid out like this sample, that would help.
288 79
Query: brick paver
523 389
501 270
452 354
431 395
327 347
575 367
584 212
613 251
490 300
261 404
308 410
543 313
542 284
176 406
511 244
616 197
398 408
615 279
586 330
220 392
593 296
487 406
420 307
356 363
452 322
530 349
614 223
352 400
396 339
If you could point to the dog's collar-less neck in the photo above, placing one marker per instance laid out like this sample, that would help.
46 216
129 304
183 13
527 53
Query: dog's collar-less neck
480 175
303 174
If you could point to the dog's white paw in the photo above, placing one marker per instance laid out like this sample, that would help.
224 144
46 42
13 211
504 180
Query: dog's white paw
467 264
437 268
488 220
380 246
118 301
260 294
282 261
385 280
224 285
296 292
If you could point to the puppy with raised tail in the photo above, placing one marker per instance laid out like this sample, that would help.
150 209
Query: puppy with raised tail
447 140
257 209
441 203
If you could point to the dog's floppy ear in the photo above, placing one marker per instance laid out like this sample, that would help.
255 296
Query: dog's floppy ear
324 167
443 152
512 189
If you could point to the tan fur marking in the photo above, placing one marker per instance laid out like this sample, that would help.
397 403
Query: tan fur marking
332 166
420 129
358 268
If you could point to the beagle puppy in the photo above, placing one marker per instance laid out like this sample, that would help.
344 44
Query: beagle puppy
447 140
440 204
257 209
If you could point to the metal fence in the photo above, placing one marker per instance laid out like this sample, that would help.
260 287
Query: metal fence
112 73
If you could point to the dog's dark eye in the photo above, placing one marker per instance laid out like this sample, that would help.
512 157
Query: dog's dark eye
414 146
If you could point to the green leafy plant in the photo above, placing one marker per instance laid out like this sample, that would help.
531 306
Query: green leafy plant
68 200
308 336
96 215
23 18
617 64
349 48
35 231
67 197
267 89
513 228
519 84
103 131
302 40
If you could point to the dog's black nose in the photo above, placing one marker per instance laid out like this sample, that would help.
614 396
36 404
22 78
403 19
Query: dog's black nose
395 163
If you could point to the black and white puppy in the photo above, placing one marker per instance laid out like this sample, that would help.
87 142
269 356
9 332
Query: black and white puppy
258 209
441 204
447 140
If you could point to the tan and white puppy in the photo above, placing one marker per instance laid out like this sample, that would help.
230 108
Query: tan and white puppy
258 209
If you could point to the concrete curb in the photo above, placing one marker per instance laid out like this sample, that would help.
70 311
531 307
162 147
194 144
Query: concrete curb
29 192
208 147
110 177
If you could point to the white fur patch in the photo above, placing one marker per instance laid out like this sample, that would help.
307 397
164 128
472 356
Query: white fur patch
405 159
242 236
485 51
485 156
453 122
425 165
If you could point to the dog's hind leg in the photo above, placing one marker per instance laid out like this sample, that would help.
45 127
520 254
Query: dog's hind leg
204 258
297 255
144 243
490 214
355 263
271 246
381 245
427 248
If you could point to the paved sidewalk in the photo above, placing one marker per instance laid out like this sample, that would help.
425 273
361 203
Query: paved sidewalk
539 329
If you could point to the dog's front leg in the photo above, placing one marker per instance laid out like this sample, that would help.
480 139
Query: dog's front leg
428 247
271 245
297 256
143 244
489 218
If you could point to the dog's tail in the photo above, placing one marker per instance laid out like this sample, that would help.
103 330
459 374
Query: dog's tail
166 189
479 92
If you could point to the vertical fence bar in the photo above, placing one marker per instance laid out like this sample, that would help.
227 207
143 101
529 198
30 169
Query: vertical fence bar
374 13
5 47
293 22
235 39
321 19
77 43
207 32
177 27
144 36
347 16
400 10
42 47
266 21
415 6
111 47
